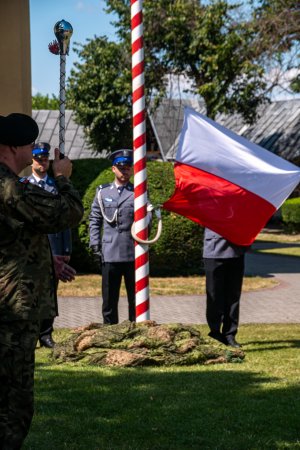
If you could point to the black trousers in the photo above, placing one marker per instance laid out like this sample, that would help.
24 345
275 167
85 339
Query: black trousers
224 279
111 282
46 326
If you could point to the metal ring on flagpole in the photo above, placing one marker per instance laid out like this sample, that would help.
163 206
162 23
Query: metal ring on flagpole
158 233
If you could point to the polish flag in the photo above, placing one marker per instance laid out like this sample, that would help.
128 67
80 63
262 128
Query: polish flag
227 183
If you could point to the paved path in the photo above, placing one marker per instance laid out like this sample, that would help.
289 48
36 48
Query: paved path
277 305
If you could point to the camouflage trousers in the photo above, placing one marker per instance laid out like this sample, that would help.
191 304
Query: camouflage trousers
17 345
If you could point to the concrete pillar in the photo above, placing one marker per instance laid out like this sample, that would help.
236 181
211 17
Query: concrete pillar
15 73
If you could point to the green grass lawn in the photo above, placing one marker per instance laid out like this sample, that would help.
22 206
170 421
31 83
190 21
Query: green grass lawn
253 405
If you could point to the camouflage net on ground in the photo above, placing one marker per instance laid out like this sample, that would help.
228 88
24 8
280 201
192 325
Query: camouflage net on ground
143 344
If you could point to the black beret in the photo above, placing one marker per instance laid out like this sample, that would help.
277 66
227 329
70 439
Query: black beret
18 129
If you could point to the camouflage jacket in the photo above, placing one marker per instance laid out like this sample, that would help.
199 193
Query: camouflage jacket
27 214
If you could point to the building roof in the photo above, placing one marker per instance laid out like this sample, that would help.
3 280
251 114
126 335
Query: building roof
76 146
277 127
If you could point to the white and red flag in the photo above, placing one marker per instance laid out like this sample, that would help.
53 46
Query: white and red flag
227 183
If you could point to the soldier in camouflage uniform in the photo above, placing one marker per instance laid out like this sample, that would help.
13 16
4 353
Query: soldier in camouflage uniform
27 274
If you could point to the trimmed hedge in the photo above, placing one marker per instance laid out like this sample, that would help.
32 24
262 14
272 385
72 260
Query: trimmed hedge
84 173
290 211
179 249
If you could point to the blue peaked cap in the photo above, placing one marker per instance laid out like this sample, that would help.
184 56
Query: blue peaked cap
41 149
122 160
122 157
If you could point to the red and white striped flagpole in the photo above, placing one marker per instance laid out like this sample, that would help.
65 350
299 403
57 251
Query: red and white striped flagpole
139 158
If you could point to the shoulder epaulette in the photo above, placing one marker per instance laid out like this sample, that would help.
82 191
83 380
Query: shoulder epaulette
24 180
102 186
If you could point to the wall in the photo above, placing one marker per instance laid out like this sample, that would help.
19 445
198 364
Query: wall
15 74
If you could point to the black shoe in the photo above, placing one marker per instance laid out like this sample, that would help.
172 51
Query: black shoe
47 341
218 336
232 342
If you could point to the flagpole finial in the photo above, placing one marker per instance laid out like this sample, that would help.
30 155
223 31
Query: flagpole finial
63 31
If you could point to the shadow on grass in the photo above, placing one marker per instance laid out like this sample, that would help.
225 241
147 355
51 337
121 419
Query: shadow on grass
178 409
273 344
273 245
264 264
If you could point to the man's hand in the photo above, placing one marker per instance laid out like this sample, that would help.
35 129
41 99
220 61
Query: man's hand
61 166
97 254
63 271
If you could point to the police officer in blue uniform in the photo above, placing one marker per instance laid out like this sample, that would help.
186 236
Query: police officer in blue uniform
224 264
111 218
61 242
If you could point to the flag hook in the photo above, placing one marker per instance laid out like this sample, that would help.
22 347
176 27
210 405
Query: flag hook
157 211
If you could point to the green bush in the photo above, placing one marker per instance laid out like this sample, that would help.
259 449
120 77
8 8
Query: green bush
84 173
179 249
291 214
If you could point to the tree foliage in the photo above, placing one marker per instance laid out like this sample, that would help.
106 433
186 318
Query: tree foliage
40 101
99 91
295 84
223 53
276 23
206 44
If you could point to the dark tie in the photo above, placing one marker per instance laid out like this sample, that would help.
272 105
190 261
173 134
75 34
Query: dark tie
120 189
42 184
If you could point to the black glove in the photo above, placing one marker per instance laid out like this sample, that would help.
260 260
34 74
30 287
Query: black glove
97 254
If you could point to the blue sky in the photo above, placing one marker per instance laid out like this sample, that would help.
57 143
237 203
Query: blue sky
87 19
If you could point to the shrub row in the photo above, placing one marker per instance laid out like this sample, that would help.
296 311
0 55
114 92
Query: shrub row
290 211
179 249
